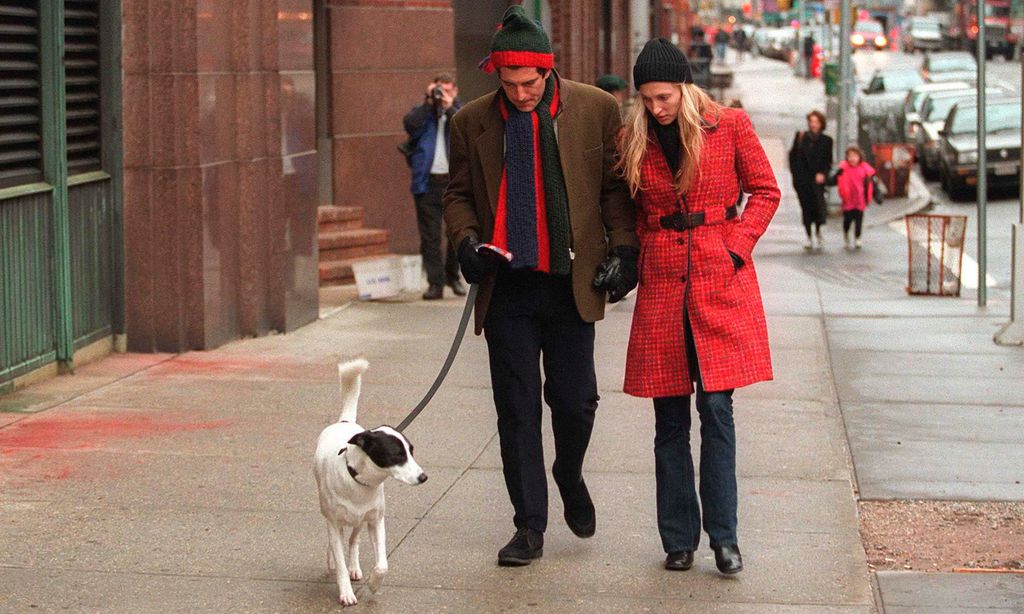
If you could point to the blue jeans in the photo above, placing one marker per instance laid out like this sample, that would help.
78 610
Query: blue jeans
679 511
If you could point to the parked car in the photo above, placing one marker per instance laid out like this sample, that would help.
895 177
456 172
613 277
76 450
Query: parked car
922 34
934 112
959 148
781 43
914 100
868 34
949 66
890 80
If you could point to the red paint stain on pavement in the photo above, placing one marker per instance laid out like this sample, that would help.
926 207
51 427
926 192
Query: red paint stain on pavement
24 445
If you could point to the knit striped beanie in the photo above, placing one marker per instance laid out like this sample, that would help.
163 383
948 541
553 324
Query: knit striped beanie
519 41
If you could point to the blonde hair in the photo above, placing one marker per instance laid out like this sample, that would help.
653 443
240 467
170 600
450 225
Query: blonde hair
694 105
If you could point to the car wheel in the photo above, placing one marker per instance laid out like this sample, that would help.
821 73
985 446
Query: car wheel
929 173
957 189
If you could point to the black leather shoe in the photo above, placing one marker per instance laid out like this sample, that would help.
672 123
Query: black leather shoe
433 293
679 561
457 288
728 559
525 546
579 511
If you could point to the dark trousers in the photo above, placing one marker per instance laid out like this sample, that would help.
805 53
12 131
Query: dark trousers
853 218
532 320
428 216
679 511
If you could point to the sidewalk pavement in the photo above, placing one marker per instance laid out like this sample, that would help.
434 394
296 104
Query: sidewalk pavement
150 483
932 408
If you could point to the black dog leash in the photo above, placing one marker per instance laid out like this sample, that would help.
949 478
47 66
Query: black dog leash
467 311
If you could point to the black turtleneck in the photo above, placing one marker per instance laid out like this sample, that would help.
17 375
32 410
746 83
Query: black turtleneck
668 137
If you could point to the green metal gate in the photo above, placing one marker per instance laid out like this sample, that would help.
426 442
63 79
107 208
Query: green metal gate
59 180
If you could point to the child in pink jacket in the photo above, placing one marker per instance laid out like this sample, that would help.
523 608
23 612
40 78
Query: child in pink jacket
855 179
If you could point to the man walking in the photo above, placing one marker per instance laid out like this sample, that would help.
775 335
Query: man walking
532 173
428 128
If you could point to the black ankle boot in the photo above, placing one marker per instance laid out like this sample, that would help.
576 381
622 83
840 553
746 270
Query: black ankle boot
679 561
728 559
525 546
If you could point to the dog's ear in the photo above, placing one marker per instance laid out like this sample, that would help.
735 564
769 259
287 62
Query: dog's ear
363 440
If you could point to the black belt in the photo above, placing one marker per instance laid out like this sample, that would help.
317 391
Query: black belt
680 221
439 177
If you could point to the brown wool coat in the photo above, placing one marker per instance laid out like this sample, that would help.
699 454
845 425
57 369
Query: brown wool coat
601 214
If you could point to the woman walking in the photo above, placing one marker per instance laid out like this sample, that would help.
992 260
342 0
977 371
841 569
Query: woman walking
698 324
810 160
855 179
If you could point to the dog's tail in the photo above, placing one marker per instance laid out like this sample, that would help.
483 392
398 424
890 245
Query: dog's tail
350 375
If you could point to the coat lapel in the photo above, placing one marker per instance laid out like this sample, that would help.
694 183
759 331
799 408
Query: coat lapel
490 146
567 131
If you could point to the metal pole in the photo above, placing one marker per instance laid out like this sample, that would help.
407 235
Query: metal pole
801 17
1013 332
982 162
845 77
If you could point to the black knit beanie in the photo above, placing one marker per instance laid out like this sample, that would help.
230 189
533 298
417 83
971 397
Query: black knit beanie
661 60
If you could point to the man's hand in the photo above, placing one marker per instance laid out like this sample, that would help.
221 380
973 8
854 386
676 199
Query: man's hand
448 93
618 275
475 266
819 178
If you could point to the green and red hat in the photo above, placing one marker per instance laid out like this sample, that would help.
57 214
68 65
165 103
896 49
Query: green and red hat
519 41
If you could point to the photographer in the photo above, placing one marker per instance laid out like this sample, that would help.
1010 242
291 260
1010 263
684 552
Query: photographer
427 152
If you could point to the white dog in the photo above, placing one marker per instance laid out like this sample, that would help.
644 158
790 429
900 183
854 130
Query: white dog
351 465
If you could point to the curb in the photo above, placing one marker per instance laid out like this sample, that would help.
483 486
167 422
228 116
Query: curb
919 198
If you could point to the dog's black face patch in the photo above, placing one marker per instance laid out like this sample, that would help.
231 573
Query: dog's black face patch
384 450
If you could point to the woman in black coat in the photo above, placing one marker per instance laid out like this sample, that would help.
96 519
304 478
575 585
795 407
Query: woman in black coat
810 160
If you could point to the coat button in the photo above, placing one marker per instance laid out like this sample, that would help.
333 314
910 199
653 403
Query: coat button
682 278
681 241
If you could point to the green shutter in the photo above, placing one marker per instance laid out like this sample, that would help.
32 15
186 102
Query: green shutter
21 159
82 78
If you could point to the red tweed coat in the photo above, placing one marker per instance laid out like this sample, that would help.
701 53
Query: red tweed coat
723 303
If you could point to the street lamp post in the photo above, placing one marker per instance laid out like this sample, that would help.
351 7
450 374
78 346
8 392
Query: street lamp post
845 77
982 162
1013 332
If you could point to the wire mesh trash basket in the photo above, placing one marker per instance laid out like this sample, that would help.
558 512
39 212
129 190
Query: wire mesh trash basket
935 254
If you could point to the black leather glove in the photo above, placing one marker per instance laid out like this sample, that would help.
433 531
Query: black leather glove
737 262
617 275
475 266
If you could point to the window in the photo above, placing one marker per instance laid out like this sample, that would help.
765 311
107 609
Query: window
21 154
82 81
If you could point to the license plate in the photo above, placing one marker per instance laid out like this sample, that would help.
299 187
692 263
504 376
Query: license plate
1004 169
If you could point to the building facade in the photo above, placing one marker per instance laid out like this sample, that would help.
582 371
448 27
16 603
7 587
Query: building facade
165 186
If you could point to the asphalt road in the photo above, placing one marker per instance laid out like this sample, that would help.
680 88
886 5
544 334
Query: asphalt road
1003 206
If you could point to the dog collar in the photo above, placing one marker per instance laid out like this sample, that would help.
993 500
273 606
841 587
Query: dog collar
352 472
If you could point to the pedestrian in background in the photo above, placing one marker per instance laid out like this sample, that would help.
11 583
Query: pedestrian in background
855 179
698 324
617 87
526 161
809 44
721 44
427 125
810 161
739 38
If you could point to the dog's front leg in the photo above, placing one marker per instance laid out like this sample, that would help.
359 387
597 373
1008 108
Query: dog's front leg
355 572
380 552
345 594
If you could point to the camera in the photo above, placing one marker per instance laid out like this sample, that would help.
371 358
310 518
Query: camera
437 93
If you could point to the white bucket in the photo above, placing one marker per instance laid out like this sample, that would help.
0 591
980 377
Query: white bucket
378 277
412 273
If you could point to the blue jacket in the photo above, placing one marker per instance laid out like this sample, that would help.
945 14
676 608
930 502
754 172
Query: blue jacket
421 125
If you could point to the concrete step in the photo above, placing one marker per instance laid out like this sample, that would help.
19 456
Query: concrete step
337 218
340 271
335 246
